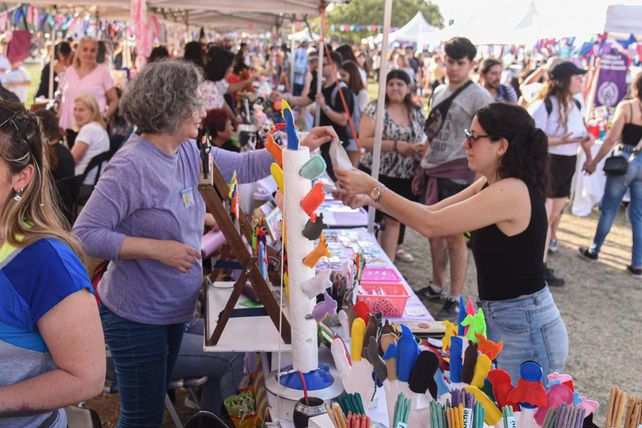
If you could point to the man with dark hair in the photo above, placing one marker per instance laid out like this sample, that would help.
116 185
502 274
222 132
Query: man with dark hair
333 112
63 56
444 169
490 73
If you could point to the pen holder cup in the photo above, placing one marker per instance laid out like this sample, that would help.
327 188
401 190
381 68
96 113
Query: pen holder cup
304 411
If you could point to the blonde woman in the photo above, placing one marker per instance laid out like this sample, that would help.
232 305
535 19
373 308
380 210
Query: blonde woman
92 138
85 76
52 351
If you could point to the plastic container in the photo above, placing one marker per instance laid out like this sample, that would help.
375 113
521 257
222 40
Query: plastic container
389 299
386 275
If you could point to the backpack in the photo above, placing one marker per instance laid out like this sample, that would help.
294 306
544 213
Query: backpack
548 104
355 114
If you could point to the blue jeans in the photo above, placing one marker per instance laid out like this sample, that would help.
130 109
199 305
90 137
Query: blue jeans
614 191
532 330
143 357
223 369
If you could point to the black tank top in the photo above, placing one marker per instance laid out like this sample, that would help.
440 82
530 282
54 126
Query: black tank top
631 133
512 266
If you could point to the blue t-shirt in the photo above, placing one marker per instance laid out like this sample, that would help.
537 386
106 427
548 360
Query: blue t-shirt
33 280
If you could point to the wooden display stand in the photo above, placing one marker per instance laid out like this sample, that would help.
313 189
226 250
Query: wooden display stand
210 188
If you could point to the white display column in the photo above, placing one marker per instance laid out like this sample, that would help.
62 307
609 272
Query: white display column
304 328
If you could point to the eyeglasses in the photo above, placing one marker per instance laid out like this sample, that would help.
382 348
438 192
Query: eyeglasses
470 137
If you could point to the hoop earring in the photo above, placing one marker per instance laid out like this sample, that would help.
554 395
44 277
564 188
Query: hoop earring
17 196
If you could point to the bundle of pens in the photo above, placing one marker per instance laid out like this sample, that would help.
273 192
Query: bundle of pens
402 411
565 416
463 411
616 410
352 406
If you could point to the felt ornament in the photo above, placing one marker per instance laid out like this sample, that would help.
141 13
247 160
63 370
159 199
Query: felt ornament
277 174
554 378
313 200
470 359
388 328
293 139
557 395
340 356
389 347
313 229
361 310
456 349
327 307
321 250
476 324
460 317
529 391
371 329
502 385
492 414
371 353
344 322
275 150
356 339
451 331
470 307
482 367
422 377
488 347
317 285
408 350
313 168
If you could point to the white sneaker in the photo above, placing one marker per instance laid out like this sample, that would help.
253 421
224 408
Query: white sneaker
404 256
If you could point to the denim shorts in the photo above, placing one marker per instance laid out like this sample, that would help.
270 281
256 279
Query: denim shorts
532 330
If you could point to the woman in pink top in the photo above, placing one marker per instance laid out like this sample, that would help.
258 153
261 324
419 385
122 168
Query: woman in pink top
86 77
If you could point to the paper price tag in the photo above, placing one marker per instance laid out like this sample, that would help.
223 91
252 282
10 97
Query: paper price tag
401 425
511 422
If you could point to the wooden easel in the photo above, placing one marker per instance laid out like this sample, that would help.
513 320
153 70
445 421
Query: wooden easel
251 272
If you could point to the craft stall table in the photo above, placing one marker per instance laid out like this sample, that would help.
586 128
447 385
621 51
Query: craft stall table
337 215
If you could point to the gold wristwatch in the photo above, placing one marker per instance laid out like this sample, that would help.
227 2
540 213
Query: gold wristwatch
376 193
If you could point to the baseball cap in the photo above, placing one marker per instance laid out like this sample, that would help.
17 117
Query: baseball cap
565 69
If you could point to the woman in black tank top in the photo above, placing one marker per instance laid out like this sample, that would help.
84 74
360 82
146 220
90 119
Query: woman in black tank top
505 209
626 129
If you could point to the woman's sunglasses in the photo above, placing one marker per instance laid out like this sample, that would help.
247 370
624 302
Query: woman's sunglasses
470 137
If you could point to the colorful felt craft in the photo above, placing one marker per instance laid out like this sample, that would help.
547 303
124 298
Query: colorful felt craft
456 349
422 375
356 338
327 307
492 413
529 391
389 347
277 174
488 347
482 367
502 385
275 150
321 250
408 351
476 324
451 331
313 200
313 168
317 285
470 359
313 228
293 139
371 353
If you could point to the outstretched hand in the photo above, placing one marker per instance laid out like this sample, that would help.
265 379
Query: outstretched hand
352 181
318 136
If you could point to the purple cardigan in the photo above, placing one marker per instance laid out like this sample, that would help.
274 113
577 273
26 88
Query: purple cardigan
141 194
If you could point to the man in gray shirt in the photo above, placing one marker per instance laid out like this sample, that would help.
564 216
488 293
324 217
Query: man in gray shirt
444 169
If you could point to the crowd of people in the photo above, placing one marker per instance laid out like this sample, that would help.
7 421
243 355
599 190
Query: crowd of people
120 166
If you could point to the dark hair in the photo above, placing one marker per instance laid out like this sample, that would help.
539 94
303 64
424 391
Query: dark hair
356 83
215 121
218 61
487 64
239 64
337 59
401 75
527 154
51 131
346 53
7 95
637 86
561 88
459 48
193 53
63 49
158 53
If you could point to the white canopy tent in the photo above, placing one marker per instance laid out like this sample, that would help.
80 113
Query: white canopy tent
624 19
409 32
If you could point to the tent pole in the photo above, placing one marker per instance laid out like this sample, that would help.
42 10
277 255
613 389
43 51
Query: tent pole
52 72
292 47
381 97
317 116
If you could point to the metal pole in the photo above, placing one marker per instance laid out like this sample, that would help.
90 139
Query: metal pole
381 97
292 47
317 116
51 64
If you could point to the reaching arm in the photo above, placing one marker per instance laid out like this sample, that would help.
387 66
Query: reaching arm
74 337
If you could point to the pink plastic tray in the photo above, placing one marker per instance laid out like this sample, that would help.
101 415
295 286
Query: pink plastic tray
380 275
387 298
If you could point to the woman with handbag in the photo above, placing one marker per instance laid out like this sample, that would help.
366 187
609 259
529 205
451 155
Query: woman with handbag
624 173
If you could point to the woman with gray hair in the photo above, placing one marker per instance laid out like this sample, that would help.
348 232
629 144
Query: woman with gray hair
146 216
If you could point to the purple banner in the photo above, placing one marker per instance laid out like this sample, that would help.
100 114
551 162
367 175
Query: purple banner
611 83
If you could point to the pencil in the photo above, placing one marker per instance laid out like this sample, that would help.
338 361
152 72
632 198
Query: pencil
330 413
